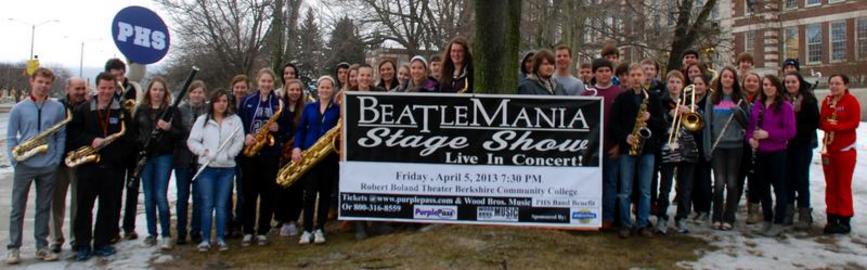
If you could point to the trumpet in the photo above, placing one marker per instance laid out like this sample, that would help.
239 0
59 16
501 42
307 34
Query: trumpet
87 154
290 173
38 144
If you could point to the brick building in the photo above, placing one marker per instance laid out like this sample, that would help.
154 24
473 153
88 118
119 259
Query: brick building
827 36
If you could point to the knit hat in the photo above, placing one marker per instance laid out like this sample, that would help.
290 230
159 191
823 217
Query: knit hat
792 62
419 58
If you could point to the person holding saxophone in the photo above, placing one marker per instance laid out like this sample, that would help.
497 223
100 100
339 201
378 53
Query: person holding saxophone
216 138
266 127
31 122
636 115
839 117
317 119
99 130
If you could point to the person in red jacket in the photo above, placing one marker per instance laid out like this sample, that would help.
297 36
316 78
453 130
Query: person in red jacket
839 117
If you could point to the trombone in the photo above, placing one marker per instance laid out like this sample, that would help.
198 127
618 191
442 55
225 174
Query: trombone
690 120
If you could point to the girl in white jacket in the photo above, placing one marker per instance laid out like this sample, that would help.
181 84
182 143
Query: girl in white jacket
216 138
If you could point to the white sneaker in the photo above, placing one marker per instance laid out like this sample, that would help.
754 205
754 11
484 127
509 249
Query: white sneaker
166 243
248 239
261 240
204 246
662 226
46 255
682 227
293 229
318 237
13 257
305 238
284 230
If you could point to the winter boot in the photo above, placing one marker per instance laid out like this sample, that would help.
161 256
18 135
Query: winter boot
833 225
805 219
789 215
753 214
845 228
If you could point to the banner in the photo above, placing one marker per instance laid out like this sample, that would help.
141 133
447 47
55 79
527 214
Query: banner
472 159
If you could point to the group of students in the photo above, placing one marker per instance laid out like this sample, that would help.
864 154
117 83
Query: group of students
760 128
208 130
711 132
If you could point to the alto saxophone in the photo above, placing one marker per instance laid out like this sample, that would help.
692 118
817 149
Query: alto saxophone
38 144
640 131
87 154
263 135
290 173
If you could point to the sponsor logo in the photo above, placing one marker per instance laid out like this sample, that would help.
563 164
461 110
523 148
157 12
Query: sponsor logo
440 212
584 216
487 213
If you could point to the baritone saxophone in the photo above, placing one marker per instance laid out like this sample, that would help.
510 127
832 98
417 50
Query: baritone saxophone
290 173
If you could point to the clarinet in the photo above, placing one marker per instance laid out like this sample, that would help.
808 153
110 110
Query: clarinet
759 121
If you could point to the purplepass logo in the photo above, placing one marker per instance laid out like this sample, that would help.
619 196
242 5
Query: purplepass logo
437 212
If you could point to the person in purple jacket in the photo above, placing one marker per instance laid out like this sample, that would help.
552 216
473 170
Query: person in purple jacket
772 125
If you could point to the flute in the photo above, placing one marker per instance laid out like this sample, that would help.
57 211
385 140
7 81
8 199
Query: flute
223 145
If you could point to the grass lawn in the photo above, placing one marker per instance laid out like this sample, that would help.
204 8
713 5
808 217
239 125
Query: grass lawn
453 247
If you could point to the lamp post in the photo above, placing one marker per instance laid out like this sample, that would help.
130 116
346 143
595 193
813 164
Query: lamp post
33 30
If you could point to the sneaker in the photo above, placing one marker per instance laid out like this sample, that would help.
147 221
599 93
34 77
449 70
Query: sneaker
727 226
716 225
700 218
623 233
645 232
150 240
284 230
56 247
204 246
130 235
682 227
248 239
83 254
261 240
13 257
765 227
221 245
293 229
166 243
774 230
662 226
318 237
104 251
305 238
46 255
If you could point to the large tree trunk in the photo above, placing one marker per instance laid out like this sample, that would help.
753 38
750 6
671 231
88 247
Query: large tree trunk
277 37
512 47
684 33
489 46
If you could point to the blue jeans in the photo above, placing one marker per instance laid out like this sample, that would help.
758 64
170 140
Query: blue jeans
610 171
627 175
184 182
155 183
215 186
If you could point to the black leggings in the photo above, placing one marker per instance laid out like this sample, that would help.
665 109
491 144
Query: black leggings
260 174
320 179
771 170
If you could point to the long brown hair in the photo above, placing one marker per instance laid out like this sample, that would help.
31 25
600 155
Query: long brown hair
166 99
778 98
716 96
215 96
448 69
299 105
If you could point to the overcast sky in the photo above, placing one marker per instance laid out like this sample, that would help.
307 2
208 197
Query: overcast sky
59 43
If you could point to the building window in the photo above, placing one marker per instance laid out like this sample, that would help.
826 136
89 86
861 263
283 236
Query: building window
814 43
835 1
790 42
862 38
812 3
791 4
838 41
749 41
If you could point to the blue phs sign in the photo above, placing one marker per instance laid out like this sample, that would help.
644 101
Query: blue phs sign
140 34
